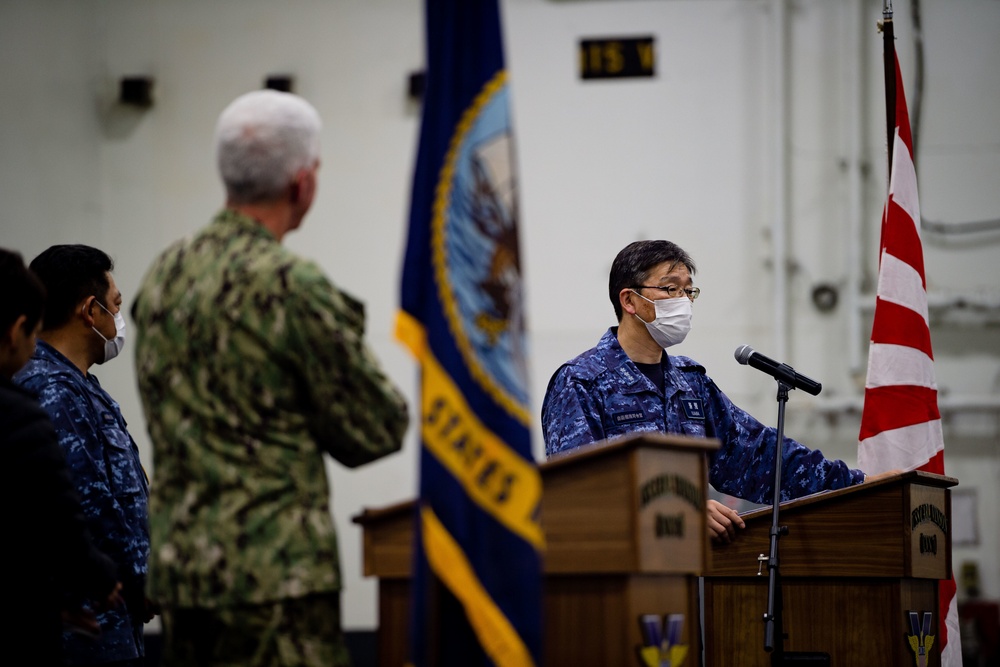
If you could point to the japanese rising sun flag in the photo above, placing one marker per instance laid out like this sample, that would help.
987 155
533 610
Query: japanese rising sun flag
900 422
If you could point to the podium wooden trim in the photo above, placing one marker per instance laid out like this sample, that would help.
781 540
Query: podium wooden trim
626 535
854 562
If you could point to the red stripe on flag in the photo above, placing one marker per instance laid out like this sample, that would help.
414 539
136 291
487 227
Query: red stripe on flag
901 240
902 115
898 325
889 408
935 465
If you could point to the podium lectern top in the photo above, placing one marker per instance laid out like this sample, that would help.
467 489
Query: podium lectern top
896 527
633 505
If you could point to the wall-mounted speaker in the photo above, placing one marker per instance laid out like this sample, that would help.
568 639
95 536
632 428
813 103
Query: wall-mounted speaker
136 91
283 82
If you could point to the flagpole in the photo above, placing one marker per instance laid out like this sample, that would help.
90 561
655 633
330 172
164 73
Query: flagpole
889 63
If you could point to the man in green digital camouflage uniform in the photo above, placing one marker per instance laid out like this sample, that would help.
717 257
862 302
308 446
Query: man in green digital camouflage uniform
251 364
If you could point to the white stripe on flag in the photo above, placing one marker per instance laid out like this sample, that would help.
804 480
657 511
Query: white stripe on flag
893 365
905 448
951 653
900 283
903 186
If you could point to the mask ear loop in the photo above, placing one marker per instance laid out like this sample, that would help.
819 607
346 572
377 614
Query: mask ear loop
83 311
88 307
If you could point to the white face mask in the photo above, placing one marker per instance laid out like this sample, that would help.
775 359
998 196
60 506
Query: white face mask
112 346
672 323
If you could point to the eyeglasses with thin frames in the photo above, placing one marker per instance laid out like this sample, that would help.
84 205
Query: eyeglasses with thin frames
673 291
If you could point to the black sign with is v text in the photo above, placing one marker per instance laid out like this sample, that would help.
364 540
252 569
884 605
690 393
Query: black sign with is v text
617 57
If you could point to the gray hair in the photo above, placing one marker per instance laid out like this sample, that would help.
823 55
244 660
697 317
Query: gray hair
262 139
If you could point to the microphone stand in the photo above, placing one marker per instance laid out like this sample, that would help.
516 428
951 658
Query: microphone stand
773 633
773 622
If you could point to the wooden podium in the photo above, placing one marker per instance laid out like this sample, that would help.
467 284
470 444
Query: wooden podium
625 534
854 564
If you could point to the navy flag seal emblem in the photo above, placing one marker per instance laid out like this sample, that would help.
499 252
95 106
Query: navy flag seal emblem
476 257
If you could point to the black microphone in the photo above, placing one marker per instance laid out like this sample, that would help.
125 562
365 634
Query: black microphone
746 355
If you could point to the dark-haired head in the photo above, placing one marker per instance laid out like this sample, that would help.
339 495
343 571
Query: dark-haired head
70 274
634 263
23 293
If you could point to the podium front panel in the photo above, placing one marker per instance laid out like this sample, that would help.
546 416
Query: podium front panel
629 506
855 621
671 496
857 566
626 536
928 533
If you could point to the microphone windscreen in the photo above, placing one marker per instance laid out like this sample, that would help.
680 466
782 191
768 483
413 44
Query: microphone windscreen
743 353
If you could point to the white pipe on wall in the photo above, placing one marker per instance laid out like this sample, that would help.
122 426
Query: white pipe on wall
854 112
779 224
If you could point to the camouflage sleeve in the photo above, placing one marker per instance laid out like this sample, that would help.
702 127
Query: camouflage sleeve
744 464
94 475
355 412
570 415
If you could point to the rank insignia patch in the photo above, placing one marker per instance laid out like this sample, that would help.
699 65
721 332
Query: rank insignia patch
693 408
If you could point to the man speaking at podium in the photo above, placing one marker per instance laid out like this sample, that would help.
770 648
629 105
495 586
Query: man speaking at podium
629 384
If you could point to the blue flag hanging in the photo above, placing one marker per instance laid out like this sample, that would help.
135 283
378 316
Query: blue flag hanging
477 558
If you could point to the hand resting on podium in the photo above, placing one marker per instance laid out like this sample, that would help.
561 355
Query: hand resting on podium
722 522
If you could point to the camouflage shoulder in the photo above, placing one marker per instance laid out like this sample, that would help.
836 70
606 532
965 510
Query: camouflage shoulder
585 368
304 273
687 364
153 275
57 387
37 377
305 277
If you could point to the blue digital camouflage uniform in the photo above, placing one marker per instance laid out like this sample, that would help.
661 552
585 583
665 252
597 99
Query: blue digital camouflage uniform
601 395
113 492
251 365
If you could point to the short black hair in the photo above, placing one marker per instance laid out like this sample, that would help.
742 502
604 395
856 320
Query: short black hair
633 264
23 292
70 274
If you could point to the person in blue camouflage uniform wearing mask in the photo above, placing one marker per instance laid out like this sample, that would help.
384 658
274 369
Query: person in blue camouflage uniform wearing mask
629 384
251 366
83 325
57 577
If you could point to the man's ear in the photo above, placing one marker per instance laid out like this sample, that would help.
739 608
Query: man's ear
86 310
625 299
299 188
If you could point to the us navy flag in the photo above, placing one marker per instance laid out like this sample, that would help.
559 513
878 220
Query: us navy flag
477 557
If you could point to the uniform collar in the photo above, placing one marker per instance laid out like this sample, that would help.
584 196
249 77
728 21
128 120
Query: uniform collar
243 224
53 361
47 353
619 363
